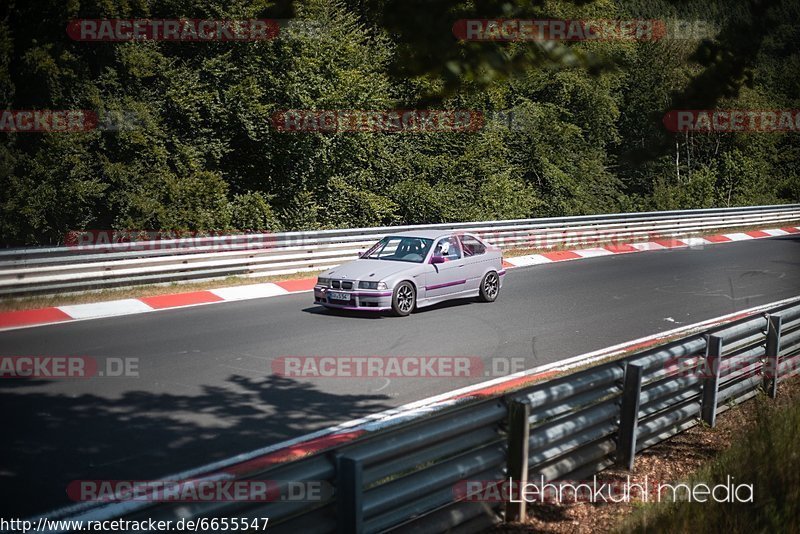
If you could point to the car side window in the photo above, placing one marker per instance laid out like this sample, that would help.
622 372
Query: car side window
448 248
471 246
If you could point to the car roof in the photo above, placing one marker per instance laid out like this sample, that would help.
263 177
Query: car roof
425 234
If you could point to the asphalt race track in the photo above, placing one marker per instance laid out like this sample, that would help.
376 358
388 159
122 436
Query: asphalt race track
206 390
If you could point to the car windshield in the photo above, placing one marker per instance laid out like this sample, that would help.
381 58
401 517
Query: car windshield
411 249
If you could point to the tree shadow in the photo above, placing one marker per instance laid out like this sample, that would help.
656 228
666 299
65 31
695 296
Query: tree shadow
52 439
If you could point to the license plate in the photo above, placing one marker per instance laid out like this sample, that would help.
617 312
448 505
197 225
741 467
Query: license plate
335 295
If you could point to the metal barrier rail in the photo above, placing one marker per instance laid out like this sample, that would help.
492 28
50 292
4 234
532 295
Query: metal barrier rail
409 477
33 271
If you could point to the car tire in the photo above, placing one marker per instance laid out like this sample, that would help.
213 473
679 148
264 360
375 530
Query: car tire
490 287
404 299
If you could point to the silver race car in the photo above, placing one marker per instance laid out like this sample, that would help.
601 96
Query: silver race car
412 270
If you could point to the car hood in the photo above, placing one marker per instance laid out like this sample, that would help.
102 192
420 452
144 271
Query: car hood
369 269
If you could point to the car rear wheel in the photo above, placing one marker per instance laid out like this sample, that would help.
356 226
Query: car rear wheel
404 299
490 287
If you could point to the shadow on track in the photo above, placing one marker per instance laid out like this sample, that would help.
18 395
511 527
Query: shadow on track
141 436
355 314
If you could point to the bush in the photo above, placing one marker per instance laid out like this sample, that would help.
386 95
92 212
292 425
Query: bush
347 204
197 202
251 212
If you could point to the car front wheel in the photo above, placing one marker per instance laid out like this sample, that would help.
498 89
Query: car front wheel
490 287
404 299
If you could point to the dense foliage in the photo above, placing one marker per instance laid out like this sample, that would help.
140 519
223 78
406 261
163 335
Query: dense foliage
197 150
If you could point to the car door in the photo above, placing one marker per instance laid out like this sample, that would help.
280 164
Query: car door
474 254
448 277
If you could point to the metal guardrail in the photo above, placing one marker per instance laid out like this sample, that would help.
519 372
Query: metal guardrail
39 271
403 478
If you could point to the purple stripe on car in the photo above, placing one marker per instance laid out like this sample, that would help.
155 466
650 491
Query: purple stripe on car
501 273
448 284
355 308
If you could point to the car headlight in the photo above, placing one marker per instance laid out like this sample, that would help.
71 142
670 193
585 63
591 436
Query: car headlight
323 281
372 285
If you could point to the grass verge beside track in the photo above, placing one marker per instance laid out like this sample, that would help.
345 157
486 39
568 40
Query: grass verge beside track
764 455
753 443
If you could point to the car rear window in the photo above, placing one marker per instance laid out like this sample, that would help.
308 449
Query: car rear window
471 246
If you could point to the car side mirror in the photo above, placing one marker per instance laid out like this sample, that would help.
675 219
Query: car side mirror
437 259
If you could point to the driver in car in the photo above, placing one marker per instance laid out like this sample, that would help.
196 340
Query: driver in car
443 249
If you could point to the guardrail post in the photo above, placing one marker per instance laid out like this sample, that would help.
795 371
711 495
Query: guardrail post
708 411
519 431
629 415
349 495
772 361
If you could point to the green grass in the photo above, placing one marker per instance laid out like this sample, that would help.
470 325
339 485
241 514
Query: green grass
766 455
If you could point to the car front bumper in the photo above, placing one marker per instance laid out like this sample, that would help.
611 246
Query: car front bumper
359 300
